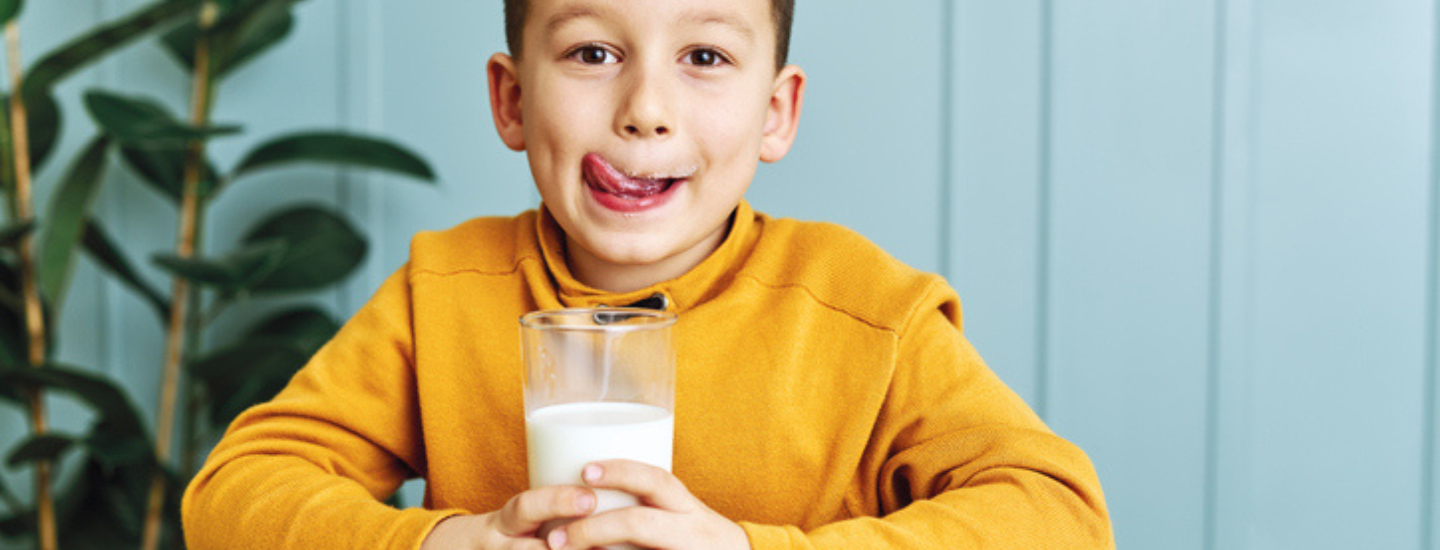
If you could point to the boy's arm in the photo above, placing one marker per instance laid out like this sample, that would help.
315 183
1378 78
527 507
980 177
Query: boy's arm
968 465
308 469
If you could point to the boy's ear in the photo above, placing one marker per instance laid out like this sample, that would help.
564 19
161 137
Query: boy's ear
786 98
504 77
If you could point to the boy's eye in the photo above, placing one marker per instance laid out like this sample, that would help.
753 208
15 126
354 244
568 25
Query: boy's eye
704 58
593 55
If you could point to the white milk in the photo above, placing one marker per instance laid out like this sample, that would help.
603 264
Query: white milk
562 439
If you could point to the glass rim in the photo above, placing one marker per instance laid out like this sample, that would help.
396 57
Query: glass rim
654 319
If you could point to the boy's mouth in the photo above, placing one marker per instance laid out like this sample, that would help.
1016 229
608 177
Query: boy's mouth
623 192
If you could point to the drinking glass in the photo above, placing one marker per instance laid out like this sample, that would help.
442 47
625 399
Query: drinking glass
599 385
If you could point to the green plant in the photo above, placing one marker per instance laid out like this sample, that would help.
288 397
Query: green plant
127 491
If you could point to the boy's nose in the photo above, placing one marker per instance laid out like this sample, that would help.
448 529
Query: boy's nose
638 132
645 113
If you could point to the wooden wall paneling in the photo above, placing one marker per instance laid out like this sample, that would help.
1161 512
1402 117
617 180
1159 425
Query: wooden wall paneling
428 89
1340 250
868 155
995 169
1129 255
1229 518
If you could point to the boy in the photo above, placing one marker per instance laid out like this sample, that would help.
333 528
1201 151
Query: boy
826 396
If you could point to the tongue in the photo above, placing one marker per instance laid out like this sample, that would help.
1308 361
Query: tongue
607 178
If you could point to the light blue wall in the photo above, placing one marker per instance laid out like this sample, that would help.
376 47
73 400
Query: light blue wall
1199 236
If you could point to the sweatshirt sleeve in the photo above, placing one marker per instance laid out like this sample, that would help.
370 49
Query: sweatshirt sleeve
309 468
967 463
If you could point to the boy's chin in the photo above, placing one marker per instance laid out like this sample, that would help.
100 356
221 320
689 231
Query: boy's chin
630 254
638 252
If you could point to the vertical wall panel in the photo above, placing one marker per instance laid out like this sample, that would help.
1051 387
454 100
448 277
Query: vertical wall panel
995 171
1232 519
433 94
1430 510
1340 240
358 98
1130 243
868 152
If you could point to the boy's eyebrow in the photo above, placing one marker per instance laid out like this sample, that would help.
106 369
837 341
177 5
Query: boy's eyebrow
716 18
567 14
573 12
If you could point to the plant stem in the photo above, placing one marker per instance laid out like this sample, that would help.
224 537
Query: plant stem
34 316
189 434
181 301
193 392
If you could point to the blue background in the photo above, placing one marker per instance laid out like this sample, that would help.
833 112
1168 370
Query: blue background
1200 237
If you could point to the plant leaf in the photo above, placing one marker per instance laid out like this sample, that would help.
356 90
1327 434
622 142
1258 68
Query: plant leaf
17 524
114 450
337 148
251 372
235 271
43 113
14 339
104 39
105 507
321 248
266 28
164 169
103 250
268 31
308 327
9 392
42 120
10 234
9 9
143 123
66 220
99 393
92 512
47 447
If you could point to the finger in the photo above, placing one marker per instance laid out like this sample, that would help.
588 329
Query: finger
525 512
638 525
653 486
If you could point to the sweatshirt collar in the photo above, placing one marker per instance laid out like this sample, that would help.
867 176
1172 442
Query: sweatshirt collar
682 293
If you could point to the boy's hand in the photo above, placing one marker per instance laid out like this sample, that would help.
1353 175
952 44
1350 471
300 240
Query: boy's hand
514 525
669 518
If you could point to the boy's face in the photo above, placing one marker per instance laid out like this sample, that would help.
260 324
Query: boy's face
644 120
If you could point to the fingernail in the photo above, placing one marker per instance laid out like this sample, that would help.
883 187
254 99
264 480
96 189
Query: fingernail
592 473
557 539
584 502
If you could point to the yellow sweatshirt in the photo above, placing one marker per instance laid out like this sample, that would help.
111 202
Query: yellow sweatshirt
826 398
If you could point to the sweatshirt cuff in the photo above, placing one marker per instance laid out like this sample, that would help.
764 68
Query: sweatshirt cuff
416 524
772 537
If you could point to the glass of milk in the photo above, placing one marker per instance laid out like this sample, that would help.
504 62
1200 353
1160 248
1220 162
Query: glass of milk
599 385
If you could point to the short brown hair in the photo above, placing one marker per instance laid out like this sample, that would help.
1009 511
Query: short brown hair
782 12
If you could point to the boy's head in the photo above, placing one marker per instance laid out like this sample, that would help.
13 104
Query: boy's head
643 122
782 14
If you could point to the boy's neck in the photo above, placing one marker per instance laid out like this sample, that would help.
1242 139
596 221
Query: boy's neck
603 275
